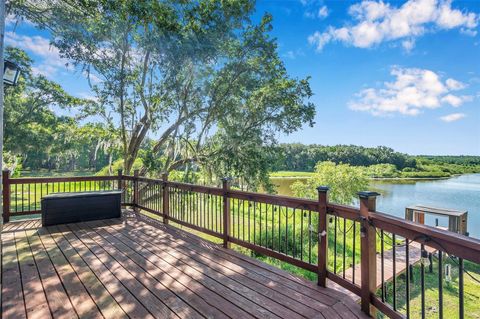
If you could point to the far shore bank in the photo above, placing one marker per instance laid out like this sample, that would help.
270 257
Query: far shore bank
306 175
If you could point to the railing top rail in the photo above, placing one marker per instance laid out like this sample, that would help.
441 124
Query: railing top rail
31 180
292 202
449 242
344 211
196 188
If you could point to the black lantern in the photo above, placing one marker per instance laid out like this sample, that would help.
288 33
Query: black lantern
11 73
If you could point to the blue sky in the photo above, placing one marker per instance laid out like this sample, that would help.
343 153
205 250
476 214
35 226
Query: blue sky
405 74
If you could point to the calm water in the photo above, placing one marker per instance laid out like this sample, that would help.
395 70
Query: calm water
462 193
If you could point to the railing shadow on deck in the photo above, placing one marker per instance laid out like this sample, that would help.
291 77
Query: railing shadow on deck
356 248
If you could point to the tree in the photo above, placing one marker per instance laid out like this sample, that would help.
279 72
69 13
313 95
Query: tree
197 75
36 135
29 119
345 182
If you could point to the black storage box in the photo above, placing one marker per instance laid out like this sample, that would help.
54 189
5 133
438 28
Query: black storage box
63 208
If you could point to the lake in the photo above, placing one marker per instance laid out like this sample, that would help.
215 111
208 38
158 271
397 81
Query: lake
460 192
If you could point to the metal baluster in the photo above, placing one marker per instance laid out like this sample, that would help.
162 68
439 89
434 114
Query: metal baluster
301 234
293 233
461 310
255 225
382 255
335 245
309 237
394 268
344 245
286 230
422 278
243 220
407 276
440 284
238 218
354 251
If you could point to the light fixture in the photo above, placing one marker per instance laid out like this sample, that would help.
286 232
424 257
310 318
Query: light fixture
11 73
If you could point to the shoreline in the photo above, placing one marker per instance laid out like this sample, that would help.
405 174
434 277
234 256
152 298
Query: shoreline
383 178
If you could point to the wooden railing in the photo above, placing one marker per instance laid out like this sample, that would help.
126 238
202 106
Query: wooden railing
380 258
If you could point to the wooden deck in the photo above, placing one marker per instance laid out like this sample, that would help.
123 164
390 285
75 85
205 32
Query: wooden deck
415 255
138 268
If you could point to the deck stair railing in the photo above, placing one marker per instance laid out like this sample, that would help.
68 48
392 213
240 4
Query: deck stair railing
388 262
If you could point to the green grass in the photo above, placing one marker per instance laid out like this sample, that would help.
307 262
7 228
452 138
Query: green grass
27 197
291 174
46 173
450 292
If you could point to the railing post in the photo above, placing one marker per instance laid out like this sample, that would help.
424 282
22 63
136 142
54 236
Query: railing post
6 195
120 178
226 212
368 248
135 190
165 198
119 184
322 235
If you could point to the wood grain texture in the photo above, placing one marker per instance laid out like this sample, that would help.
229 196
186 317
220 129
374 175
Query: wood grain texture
130 268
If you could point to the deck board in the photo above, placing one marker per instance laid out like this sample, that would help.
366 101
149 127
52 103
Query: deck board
13 305
199 270
136 268
35 300
195 255
155 267
58 300
100 296
130 304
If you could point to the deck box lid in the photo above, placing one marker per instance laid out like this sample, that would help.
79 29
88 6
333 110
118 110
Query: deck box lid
81 194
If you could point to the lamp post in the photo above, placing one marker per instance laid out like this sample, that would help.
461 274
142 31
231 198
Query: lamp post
2 37
9 73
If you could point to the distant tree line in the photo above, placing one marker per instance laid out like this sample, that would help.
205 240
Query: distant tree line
301 157
452 159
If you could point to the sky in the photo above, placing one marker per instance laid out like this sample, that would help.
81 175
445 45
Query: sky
404 74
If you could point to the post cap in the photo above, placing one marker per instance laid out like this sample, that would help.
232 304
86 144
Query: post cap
367 194
226 179
323 189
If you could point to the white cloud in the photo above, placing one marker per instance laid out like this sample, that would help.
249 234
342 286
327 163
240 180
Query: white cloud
315 9
323 12
50 63
292 55
377 22
469 32
12 20
408 45
88 96
452 117
412 91
453 100
92 77
455 85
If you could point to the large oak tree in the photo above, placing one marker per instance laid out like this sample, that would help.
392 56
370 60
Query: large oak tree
198 78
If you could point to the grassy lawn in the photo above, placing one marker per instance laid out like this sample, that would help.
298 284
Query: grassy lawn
450 292
291 174
27 197
46 173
